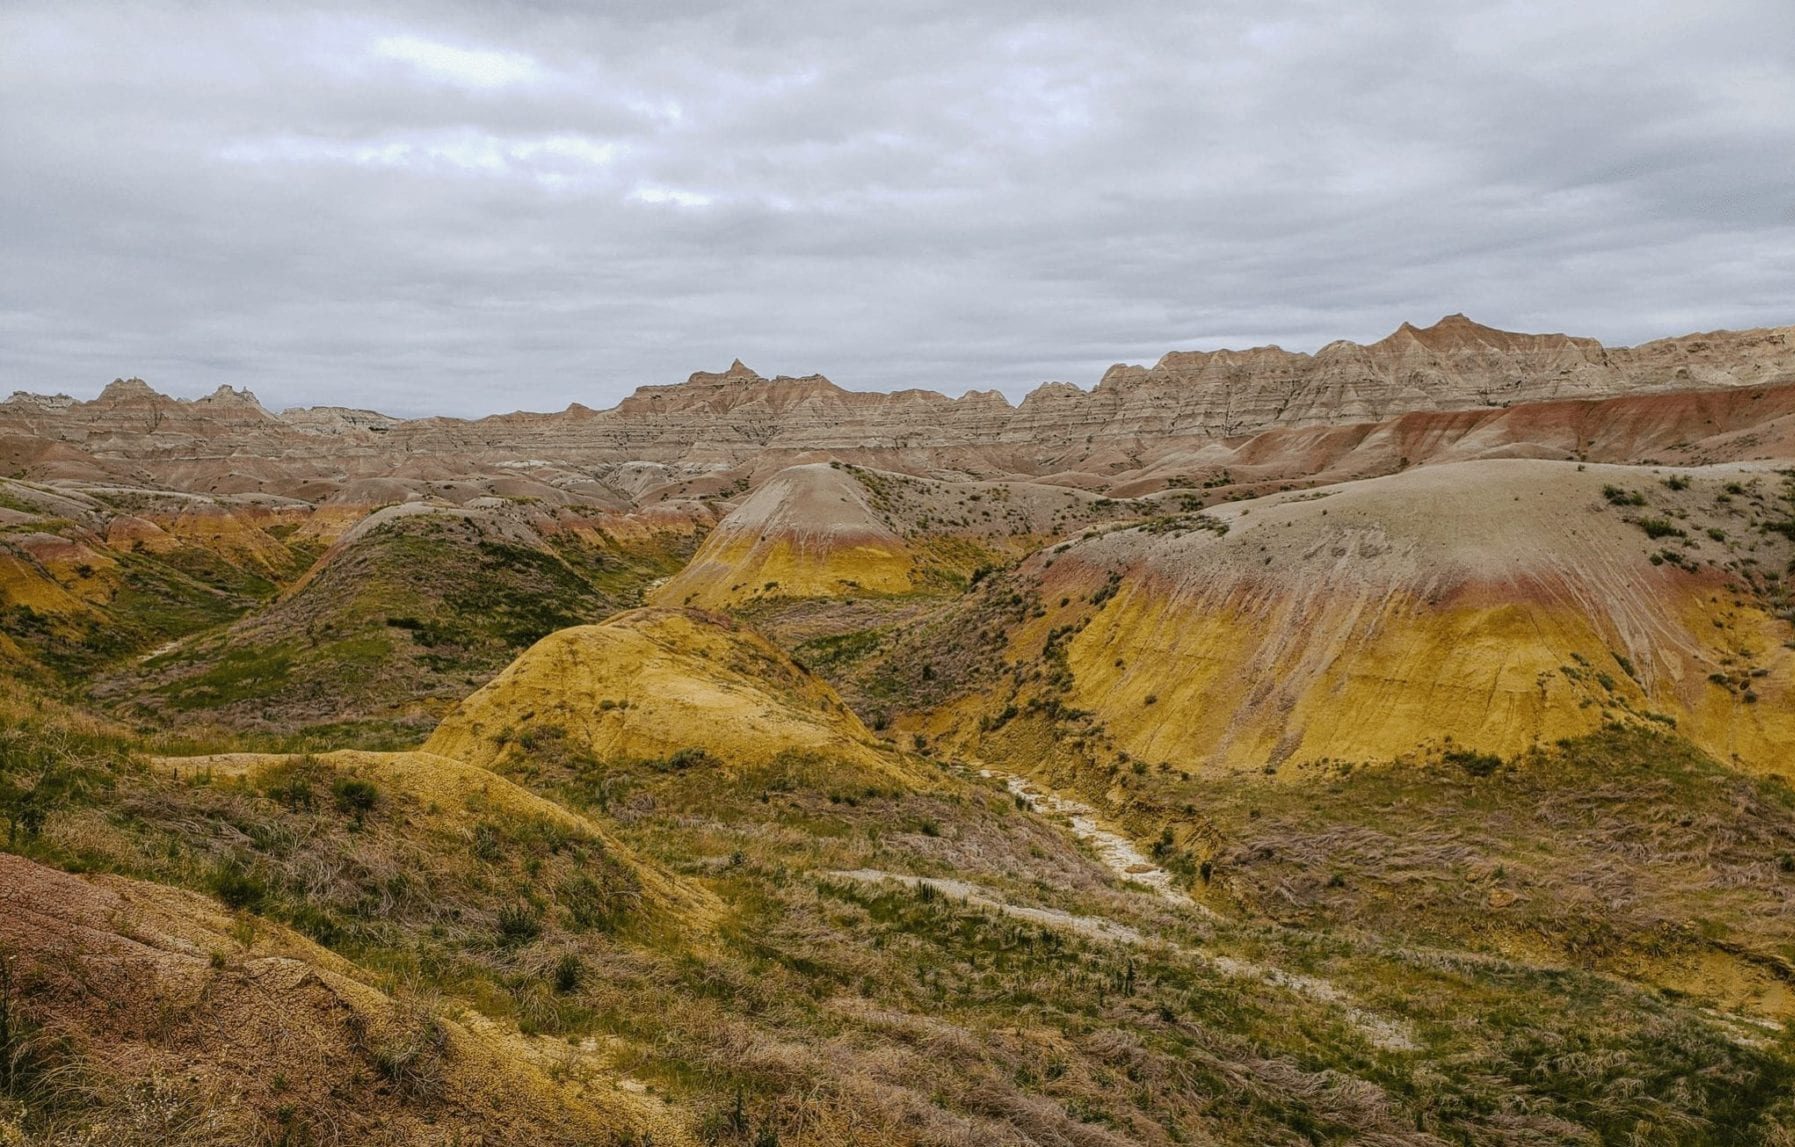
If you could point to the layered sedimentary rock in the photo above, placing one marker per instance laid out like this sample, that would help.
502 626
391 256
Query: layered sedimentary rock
809 531
1496 605
228 442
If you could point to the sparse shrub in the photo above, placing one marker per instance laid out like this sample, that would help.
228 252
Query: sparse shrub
1475 763
486 842
1163 846
519 923
599 907
568 970
295 792
237 885
355 795
40 770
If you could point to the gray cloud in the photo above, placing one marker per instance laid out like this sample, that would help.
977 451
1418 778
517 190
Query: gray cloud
467 208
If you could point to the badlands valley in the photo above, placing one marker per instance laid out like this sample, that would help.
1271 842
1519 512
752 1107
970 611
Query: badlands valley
1389 745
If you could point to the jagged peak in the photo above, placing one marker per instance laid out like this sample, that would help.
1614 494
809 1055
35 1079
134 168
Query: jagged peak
1049 389
55 401
1459 329
985 397
1121 372
120 388
233 395
1456 321
738 371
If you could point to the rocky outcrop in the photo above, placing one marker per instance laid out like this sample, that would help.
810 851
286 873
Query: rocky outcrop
337 419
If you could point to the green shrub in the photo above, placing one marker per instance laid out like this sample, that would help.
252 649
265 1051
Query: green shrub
1620 497
568 970
238 886
519 923
354 795
1475 763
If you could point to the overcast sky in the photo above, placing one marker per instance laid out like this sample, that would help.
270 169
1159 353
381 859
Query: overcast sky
465 208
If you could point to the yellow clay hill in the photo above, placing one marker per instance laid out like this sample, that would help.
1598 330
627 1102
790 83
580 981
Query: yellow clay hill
653 683
1496 604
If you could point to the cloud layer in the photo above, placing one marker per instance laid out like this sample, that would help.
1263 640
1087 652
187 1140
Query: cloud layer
463 208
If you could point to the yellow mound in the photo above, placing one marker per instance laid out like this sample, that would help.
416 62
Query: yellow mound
809 531
650 683
25 582
1496 603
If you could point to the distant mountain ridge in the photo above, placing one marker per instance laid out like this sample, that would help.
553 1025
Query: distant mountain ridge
723 418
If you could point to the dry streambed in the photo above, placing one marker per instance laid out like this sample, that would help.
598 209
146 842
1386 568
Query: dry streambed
1119 855
1115 851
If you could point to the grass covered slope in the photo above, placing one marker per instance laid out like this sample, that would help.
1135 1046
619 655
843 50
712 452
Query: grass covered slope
658 684
139 1015
450 800
1498 604
1627 850
411 609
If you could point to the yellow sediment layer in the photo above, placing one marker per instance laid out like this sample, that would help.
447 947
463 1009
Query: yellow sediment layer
140 535
234 535
735 569
1246 684
649 683
24 583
